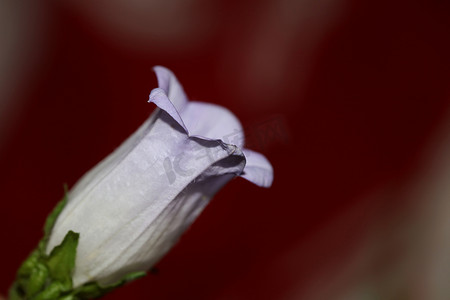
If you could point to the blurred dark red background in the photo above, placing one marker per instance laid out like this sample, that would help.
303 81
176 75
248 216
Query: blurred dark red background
357 89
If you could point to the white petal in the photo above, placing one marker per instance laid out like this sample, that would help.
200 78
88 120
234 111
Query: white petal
168 82
165 230
213 122
257 169
96 174
125 202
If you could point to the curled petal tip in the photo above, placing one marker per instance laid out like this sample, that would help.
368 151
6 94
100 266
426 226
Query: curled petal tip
169 83
159 97
258 169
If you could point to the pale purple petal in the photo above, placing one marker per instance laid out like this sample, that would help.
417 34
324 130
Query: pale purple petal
213 122
257 169
168 82
159 97
200 119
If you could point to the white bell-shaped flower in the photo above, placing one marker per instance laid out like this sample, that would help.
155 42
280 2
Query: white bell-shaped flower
133 206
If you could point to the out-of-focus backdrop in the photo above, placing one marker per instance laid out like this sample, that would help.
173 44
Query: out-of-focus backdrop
348 99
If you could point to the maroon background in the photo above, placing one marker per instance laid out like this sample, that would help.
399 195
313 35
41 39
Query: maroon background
377 88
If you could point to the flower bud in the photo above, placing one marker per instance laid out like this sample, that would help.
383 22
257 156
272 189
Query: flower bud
133 206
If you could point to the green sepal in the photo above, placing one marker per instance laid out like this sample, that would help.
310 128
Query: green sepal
128 278
43 277
61 261
94 290
51 292
88 291
68 297
37 280
29 264
32 275
49 277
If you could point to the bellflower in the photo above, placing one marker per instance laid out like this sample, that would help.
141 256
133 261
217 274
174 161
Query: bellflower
131 208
